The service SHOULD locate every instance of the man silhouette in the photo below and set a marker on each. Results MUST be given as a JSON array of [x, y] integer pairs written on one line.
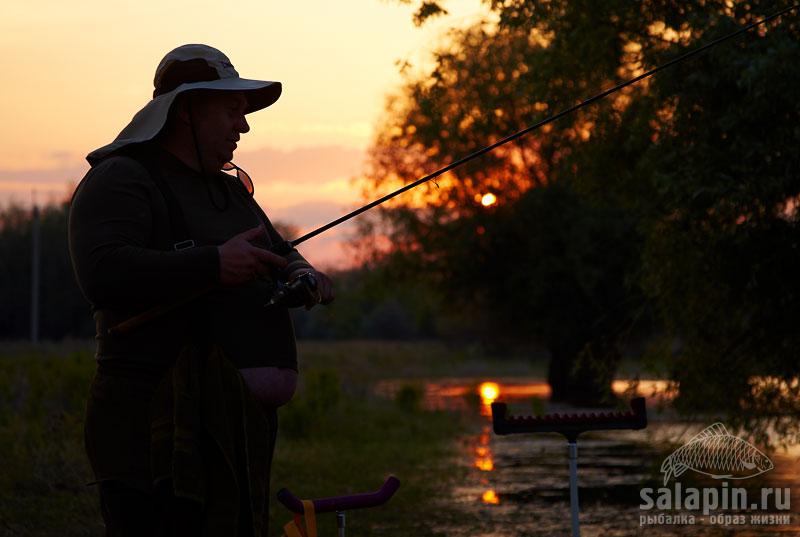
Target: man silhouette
[[153, 220]]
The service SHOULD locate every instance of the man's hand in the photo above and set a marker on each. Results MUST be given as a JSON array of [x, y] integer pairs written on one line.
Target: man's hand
[[241, 262], [324, 284]]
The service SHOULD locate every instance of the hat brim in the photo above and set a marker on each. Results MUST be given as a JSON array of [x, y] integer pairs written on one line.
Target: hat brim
[[149, 121]]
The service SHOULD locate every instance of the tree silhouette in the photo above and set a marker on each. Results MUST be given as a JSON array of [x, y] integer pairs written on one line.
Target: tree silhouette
[[692, 167]]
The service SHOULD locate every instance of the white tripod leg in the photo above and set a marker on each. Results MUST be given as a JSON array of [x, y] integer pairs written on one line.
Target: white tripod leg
[[340, 522], [573, 488]]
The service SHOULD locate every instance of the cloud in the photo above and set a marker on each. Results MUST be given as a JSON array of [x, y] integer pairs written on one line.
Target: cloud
[[327, 250], [314, 164], [43, 176], [354, 134], [309, 215], [295, 173], [306, 187], [53, 183]]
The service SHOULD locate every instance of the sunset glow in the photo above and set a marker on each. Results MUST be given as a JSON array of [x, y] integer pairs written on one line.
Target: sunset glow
[[488, 199], [337, 61]]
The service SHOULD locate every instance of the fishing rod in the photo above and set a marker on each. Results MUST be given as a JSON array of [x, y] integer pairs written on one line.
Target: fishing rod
[[305, 285], [538, 125]]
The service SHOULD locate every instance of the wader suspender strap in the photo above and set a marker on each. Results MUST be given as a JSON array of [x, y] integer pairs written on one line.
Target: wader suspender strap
[[283, 248], [177, 222]]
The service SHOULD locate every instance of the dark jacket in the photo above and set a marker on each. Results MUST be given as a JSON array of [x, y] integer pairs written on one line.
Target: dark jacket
[[121, 241]]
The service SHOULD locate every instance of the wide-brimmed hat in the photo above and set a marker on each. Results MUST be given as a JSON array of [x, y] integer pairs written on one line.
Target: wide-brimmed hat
[[188, 67]]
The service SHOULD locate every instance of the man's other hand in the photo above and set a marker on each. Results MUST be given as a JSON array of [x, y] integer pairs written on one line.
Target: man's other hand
[[241, 262]]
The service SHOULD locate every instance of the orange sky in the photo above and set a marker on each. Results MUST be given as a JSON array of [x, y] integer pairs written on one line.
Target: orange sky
[[76, 72]]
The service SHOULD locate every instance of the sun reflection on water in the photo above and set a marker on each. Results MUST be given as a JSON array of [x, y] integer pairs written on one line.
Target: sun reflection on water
[[486, 464], [483, 453], [490, 497], [493, 467], [484, 460]]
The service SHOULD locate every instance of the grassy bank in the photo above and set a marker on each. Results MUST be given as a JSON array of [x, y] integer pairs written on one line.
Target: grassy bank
[[42, 399], [333, 442], [335, 436]]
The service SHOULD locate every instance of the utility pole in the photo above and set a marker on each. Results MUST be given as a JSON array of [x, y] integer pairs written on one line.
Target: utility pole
[[35, 270]]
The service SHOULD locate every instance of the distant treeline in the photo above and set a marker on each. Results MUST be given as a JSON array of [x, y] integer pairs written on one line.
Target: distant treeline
[[63, 310], [365, 308]]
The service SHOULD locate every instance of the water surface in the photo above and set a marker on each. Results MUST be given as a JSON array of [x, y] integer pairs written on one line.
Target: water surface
[[518, 485]]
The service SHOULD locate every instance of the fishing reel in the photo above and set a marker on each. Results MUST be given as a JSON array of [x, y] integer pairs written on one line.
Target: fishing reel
[[301, 291]]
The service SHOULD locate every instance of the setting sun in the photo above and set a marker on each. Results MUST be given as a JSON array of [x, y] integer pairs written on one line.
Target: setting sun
[[488, 199], [489, 392]]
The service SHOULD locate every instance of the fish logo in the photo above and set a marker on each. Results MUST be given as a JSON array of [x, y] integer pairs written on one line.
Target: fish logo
[[716, 453]]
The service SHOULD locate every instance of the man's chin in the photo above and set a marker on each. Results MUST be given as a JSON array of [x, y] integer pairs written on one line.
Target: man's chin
[[221, 160]]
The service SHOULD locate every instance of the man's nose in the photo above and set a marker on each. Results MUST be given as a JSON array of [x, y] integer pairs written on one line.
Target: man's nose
[[242, 126]]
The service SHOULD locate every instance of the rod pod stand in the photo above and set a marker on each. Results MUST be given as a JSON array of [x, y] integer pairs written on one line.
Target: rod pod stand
[[570, 425], [340, 523], [340, 504]]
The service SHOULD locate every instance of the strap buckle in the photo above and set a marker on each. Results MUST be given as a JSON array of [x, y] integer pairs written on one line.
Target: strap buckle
[[183, 245]]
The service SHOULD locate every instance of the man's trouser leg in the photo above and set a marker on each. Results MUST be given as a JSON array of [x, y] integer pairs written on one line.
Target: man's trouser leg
[[128, 511]]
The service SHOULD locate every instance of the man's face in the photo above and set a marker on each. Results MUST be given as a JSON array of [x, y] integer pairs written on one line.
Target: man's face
[[219, 121]]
